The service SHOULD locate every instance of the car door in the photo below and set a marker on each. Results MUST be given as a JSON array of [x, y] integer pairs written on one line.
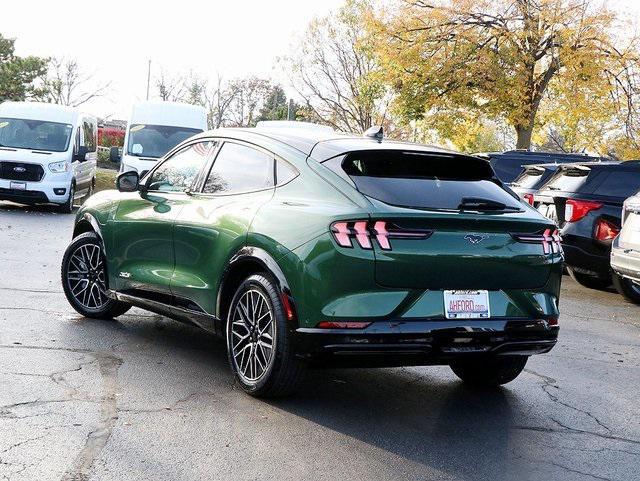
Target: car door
[[143, 251], [214, 225]]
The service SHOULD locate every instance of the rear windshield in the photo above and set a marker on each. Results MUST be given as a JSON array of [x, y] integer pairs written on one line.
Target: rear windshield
[[568, 180], [424, 180], [528, 179]]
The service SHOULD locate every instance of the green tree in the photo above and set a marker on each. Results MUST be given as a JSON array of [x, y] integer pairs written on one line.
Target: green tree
[[275, 106], [19, 75]]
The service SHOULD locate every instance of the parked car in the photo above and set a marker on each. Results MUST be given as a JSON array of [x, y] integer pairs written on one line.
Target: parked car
[[47, 154], [510, 164], [625, 252], [154, 128], [306, 248], [586, 201]]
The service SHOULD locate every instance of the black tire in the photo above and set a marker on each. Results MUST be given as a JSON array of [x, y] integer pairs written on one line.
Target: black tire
[[73, 277], [627, 288], [67, 207], [282, 371], [591, 282], [489, 372]]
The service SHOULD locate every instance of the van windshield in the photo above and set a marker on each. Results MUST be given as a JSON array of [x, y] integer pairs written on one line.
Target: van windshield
[[156, 140], [34, 134]]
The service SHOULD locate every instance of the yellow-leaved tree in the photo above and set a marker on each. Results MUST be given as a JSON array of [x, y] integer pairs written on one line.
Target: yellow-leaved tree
[[567, 63]]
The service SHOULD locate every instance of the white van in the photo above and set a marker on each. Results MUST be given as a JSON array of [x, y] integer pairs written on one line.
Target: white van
[[48, 153], [154, 129]]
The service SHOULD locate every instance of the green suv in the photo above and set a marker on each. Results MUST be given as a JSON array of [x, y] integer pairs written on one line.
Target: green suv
[[306, 248]]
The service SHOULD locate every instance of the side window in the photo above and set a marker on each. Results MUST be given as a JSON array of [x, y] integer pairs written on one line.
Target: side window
[[285, 172], [76, 141], [89, 131], [178, 172], [239, 168]]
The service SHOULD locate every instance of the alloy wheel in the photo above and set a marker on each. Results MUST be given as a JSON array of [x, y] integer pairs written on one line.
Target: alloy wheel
[[86, 277], [252, 335]]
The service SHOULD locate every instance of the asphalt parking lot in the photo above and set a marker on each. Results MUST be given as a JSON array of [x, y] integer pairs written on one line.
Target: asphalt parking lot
[[147, 398]]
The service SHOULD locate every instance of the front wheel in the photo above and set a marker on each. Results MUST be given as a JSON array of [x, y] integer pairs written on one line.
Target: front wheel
[[629, 289], [67, 207], [258, 340], [84, 279], [489, 372]]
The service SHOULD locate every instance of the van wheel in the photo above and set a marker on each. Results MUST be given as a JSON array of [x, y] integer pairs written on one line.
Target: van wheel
[[67, 207], [489, 372], [627, 288], [588, 281], [258, 341], [84, 279]]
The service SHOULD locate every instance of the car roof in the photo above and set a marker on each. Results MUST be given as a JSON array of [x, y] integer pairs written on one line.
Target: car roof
[[542, 154], [321, 144]]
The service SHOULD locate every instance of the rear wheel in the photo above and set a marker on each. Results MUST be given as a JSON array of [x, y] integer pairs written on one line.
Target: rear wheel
[[591, 282], [629, 289], [259, 342], [489, 372], [84, 279]]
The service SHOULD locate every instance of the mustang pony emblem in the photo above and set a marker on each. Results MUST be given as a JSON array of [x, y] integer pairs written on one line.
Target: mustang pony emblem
[[475, 238]]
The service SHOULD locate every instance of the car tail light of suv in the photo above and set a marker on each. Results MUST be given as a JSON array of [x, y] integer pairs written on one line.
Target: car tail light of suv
[[576, 209], [364, 232], [605, 230], [529, 198]]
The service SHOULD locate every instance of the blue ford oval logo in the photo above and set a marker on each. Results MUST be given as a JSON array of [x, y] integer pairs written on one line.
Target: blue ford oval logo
[[19, 169], [475, 238]]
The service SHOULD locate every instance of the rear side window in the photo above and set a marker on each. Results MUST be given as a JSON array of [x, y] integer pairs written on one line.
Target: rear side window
[[424, 180], [622, 183], [239, 168]]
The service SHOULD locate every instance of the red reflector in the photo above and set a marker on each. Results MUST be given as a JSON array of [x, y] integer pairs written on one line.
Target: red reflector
[[605, 230], [362, 235], [287, 304], [553, 321], [342, 325], [575, 210], [529, 198]]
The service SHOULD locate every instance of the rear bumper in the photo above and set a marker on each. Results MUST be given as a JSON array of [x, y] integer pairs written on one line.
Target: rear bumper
[[625, 262], [585, 262], [428, 342]]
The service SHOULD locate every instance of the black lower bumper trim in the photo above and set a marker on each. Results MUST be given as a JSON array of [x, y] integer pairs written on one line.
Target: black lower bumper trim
[[405, 343], [24, 196]]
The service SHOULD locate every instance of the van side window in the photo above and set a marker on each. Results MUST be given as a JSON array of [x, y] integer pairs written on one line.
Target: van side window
[[239, 168], [178, 172], [89, 131]]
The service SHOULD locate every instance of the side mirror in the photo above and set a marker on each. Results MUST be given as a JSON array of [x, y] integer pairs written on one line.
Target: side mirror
[[128, 181], [114, 154], [81, 154]]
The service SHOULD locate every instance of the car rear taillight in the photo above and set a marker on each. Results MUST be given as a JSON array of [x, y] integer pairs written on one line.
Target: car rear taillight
[[529, 198], [605, 230], [343, 325], [364, 231], [575, 210], [550, 240]]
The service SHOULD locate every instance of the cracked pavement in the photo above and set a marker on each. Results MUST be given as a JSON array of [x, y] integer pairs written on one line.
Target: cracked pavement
[[147, 398]]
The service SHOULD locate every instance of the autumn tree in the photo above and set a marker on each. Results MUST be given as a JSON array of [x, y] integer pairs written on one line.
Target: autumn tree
[[331, 69], [501, 60], [19, 75]]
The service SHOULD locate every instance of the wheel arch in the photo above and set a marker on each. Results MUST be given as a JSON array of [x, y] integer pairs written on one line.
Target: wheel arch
[[247, 261], [87, 223]]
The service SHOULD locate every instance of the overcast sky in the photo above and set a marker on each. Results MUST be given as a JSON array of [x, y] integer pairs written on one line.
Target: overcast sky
[[114, 39]]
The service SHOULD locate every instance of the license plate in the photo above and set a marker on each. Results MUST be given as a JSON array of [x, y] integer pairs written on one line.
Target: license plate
[[18, 185], [466, 304]]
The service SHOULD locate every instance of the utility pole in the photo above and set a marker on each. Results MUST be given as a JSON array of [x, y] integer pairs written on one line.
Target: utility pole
[[148, 78]]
